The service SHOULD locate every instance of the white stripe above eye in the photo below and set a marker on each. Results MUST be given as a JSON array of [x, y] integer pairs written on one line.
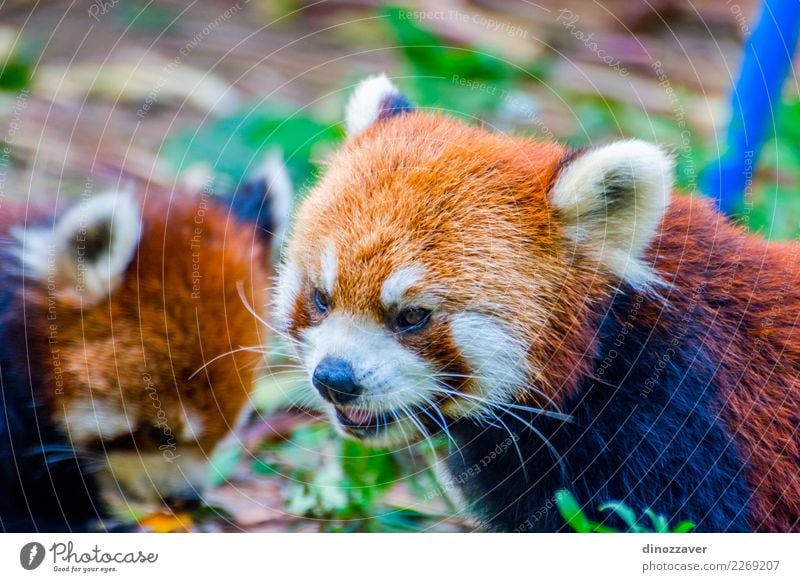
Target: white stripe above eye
[[398, 283], [329, 267]]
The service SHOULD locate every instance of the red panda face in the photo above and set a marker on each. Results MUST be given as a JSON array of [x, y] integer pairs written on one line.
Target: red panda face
[[406, 286], [145, 306], [436, 269]]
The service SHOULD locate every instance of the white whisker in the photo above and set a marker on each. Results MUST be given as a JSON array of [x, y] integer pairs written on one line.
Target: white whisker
[[549, 413], [264, 322], [253, 349]]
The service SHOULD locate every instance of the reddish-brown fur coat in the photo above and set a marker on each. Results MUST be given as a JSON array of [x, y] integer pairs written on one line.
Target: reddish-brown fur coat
[[162, 351], [473, 208]]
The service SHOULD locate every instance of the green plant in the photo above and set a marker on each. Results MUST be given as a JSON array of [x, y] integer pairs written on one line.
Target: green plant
[[16, 61], [574, 516], [235, 144], [341, 482], [436, 69]]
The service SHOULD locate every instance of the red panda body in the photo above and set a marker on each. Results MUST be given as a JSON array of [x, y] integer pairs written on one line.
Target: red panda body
[[743, 293], [553, 312], [121, 323]]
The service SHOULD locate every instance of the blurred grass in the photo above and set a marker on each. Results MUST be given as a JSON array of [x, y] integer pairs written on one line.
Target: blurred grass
[[429, 66]]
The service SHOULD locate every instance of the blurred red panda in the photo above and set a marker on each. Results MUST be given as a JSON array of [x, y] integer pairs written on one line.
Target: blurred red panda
[[121, 322], [559, 315]]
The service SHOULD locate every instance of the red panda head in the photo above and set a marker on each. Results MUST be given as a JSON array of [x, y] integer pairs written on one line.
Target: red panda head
[[144, 305], [439, 269]]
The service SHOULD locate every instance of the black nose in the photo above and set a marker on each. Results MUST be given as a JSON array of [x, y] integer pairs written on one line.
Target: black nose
[[335, 381]]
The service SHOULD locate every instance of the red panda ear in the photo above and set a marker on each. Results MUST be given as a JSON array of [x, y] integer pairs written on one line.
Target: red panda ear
[[612, 200], [374, 99], [266, 199], [88, 248]]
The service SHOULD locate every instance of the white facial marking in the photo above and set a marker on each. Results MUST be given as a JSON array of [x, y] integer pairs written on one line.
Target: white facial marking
[[87, 421], [398, 283], [495, 357], [154, 476], [390, 374], [364, 106], [329, 267]]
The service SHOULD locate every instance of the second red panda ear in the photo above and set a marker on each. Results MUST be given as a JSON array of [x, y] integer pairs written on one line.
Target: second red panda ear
[[88, 248], [265, 199], [374, 99]]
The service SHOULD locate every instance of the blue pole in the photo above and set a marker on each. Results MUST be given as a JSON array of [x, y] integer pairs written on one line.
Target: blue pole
[[755, 99]]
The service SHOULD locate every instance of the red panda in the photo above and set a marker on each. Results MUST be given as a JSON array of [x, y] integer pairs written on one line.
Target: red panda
[[127, 336], [560, 316]]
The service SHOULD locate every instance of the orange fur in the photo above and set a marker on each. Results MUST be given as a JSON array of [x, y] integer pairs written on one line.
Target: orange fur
[[498, 227], [473, 209], [154, 334]]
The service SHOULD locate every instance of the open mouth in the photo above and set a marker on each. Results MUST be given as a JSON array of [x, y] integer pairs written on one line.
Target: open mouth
[[363, 422]]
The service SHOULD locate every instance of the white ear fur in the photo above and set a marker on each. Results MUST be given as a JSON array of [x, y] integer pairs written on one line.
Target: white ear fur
[[612, 200], [366, 103], [88, 248], [279, 187]]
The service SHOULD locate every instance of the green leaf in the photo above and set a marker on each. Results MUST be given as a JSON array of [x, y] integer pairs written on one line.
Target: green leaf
[[299, 499], [465, 81], [370, 472], [775, 213], [235, 145], [660, 523], [264, 467], [571, 512], [312, 435], [625, 513], [224, 462], [401, 520], [684, 527], [428, 55], [15, 75], [600, 528], [367, 466]]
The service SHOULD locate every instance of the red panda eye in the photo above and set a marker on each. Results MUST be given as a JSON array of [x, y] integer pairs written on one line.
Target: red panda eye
[[412, 319], [321, 301]]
